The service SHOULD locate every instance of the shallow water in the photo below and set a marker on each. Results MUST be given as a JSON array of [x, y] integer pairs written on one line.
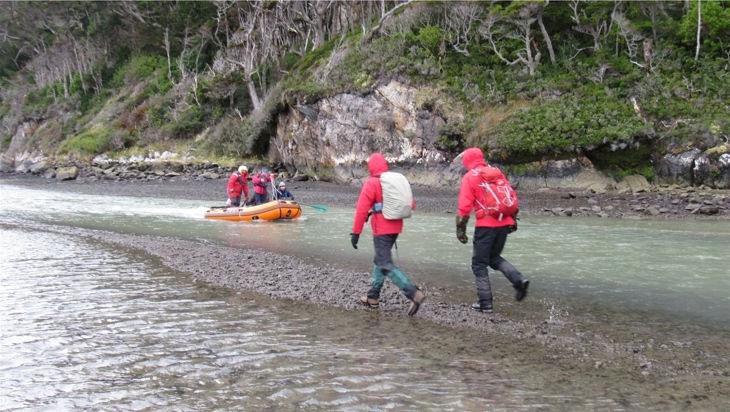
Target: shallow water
[[84, 326], [673, 270]]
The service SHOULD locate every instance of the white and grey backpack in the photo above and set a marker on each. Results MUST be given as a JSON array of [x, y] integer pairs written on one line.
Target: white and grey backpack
[[397, 196]]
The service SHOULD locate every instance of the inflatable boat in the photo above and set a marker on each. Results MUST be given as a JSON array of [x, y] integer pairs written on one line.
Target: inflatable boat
[[274, 210]]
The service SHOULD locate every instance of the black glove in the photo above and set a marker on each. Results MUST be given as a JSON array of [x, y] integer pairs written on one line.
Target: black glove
[[461, 228], [513, 228], [354, 237]]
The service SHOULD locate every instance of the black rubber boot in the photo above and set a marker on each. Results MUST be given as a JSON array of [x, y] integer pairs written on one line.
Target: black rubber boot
[[521, 289]]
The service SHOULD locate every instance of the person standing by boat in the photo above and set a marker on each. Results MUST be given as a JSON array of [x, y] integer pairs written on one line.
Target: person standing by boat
[[261, 182], [385, 233], [491, 228], [238, 184], [283, 194]]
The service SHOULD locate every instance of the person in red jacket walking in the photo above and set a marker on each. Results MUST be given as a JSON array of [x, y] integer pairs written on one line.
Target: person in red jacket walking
[[490, 235], [385, 233], [237, 184]]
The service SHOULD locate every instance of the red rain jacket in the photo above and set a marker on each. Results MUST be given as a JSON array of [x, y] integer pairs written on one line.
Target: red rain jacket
[[474, 158], [261, 182], [371, 194], [237, 183]]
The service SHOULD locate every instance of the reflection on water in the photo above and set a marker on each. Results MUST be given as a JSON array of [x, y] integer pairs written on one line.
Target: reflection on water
[[673, 269], [82, 327]]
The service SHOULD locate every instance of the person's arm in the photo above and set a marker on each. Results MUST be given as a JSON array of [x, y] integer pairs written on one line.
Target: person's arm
[[231, 187], [464, 207], [364, 203], [466, 199]]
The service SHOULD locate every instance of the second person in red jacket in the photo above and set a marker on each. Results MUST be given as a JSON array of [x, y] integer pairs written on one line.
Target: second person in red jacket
[[385, 233], [490, 235]]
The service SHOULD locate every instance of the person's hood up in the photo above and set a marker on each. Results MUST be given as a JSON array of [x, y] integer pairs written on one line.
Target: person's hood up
[[377, 165], [473, 157]]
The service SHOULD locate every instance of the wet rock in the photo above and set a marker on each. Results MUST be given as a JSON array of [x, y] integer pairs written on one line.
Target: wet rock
[[210, 175], [67, 173], [653, 211], [708, 210], [633, 184], [49, 174], [38, 167], [678, 168]]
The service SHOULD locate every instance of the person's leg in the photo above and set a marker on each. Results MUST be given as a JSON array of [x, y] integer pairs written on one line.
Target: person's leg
[[384, 260], [497, 262], [483, 239], [376, 284], [236, 201]]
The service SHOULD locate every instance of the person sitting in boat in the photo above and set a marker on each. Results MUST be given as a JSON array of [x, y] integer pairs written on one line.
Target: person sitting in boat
[[282, 193], [237, 184], [261, 182]]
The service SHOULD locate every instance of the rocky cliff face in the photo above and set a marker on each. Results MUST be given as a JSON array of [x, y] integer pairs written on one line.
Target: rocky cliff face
[[333, 137]]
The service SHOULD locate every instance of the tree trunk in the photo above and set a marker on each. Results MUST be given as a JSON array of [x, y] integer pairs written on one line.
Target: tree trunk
[[167, 50], [546, 36], [699, 28], [253, 94]]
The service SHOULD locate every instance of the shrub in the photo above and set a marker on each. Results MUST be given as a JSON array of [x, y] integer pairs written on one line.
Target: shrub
[[92, 141], [570, 124], [189, 123], [430, 37]]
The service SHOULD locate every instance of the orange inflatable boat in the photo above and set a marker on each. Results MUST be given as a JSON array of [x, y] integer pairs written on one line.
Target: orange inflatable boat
[[274, 210]]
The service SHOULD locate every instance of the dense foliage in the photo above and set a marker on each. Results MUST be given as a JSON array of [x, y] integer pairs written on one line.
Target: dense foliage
[[525, 80]]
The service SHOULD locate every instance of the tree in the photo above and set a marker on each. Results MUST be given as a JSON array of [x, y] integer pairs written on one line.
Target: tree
[[592, 18], [513, 27]]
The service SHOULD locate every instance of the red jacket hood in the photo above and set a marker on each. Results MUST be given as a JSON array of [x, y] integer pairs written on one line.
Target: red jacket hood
[[377, 165], [473, 157]]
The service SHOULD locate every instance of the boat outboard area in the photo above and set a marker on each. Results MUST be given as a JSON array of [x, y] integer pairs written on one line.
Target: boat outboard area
[[269, 211]]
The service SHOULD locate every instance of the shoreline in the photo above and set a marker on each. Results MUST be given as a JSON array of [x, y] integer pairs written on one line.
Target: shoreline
[[643, 355], [655, 363], [660, 202]]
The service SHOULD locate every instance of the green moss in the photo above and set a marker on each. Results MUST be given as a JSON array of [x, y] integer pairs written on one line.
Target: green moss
[[95, 140]]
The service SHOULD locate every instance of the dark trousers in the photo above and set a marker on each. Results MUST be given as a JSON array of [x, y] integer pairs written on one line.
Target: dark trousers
[[383, 266], [488, 245], [259, 198], [235, 201]]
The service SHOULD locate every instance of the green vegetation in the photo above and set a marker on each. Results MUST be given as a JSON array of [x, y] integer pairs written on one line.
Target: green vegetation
[[184, 70], [96, 140]]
